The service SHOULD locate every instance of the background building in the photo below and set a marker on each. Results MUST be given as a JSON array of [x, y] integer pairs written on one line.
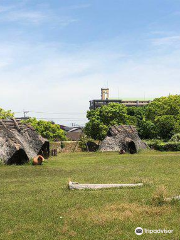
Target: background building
[[105, 100]]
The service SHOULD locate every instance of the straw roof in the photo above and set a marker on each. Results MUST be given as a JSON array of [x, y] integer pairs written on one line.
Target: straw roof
[[19, 142], [123, 137]]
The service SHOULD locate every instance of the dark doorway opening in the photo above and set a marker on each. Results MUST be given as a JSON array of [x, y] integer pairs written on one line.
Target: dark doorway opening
[[92, 146], [18, 158], [44, 150], [109, 134], [132, 147]]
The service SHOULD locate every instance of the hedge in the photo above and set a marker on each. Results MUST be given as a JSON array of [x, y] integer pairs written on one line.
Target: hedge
[[163, 146]]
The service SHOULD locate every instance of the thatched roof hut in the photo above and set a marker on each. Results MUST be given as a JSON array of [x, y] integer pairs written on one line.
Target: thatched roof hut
[[19, 142], [124, 137]]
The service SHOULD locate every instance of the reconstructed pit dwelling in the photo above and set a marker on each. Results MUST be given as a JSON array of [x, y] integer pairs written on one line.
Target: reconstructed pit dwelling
[[123, 137], [19, 142]]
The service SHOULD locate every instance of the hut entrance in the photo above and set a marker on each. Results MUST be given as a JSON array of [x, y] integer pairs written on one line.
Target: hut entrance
[[18, 158], [44, 150], [132, 147]]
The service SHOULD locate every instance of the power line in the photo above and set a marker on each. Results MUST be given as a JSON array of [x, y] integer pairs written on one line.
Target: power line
[[70, 113], [65, 118], [68, 118], [58, 113]]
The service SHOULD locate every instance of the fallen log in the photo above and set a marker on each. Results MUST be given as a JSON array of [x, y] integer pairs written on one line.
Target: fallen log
[[76, 185], [172, 198]]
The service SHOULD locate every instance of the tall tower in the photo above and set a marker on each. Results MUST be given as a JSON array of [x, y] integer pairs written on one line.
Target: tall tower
[[104, 93]]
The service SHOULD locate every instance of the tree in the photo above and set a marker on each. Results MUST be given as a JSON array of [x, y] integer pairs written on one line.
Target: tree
[[96, 129], [165, 126], [47, 130], [6, 114], [163, 106], [159, 119], [164, 112], [102, 118], [147, 129], [137, 112]]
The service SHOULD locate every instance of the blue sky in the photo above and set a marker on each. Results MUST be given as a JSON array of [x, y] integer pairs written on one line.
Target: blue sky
[[56, 55]]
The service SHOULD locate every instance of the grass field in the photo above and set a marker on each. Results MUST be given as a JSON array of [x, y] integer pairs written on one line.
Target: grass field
[[36, 203]]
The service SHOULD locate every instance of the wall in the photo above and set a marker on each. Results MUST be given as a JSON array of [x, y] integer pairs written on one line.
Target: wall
[[65, 146]]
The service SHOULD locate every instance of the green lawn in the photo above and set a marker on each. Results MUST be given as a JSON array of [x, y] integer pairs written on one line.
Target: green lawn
[[36, 203]]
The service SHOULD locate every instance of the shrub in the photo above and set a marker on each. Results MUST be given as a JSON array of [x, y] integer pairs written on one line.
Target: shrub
[[47, 130], [163, 146], [62, 145], [175, 137], [6, 114], [88, 144]]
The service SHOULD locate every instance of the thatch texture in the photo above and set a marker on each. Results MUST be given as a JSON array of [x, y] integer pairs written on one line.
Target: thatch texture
[[124, 137], [19, 142]]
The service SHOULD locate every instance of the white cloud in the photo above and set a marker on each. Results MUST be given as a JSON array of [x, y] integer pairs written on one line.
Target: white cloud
[[166, 40], [21, 14], [44, 78], [28, 16], [36, 17]]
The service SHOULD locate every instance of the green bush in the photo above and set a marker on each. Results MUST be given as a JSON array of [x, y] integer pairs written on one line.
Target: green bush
[[62, 145], [175, 138], [88, 144], [163, 146], [48, 130], [6, 114]]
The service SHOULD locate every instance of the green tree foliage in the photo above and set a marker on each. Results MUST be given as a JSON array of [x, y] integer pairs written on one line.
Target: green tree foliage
[[5, 114], [164, 113], [147, 129], [102, 118], [163, 106], [165, 126], [175, 138], [159, 119], [47, 130]]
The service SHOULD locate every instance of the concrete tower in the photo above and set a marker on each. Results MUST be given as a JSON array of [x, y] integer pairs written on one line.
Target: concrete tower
[[104, 93]]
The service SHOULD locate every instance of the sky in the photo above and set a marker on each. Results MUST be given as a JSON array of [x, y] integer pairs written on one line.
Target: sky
[[55, 55]]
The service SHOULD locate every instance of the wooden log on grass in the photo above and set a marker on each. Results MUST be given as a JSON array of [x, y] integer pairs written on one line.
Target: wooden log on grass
[[172, 198], [75, 185]]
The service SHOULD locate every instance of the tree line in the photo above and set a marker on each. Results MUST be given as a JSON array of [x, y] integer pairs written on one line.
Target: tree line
[[158, 120]]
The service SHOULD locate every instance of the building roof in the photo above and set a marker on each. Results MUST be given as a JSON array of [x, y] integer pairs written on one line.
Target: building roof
[[74, 136], [76, 129]]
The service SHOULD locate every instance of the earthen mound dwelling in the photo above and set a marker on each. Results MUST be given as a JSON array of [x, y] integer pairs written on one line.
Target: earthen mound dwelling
[[19, 142], [123, 137]]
